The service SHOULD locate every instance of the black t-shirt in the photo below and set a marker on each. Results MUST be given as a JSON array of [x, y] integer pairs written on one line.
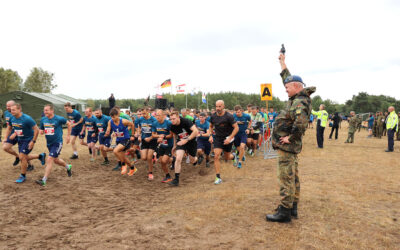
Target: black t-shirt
[[223, 124], [182, 130]]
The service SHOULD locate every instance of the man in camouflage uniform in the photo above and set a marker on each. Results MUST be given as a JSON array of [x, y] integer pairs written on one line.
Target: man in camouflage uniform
[[375, 125], [1, 123], [353, 123], [289, 128], [380, 124]]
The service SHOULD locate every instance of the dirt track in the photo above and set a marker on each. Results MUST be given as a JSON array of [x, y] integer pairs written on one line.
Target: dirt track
[[350, 199]]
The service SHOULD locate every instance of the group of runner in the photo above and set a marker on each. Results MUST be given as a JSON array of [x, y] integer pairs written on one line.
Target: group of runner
[[154, 136]]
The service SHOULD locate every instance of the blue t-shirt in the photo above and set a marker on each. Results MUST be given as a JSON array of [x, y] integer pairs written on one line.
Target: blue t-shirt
[[243, 122], [146, 126], [272, 116], [75, 117], [102, 124], [203, 128], [163, 129], [8, 116], [23, 127], [90, 124], [53, 128], [371, 122], [311, 118]]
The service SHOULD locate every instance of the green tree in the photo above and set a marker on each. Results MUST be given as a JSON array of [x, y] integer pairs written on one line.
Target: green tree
[[9, 81], [40, 81]]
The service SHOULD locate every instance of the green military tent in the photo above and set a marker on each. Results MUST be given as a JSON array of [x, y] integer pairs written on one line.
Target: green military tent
[[33, 103]]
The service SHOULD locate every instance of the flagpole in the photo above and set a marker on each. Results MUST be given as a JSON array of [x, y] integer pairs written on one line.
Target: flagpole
[[186, 100]]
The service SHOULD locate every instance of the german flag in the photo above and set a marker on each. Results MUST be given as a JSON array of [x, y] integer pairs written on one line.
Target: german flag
[[166, 84]]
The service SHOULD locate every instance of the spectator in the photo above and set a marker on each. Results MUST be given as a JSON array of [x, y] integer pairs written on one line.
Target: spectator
[[111, 101]]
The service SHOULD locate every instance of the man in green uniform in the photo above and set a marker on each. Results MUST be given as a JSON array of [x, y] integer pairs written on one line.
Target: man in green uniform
[[353, 122], [375, 125], [289, 128], [1, 122], [380, 122]]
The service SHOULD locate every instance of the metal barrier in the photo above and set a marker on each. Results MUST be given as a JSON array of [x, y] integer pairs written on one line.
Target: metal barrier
[[268, 150]]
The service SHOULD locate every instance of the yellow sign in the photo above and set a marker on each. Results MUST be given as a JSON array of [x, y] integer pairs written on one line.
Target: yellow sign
[[266, 92]]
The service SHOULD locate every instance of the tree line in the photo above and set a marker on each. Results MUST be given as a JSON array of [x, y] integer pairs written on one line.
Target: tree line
[[38, 80]]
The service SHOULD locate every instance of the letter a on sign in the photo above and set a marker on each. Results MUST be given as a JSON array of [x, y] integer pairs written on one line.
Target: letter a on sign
[[266, 92]]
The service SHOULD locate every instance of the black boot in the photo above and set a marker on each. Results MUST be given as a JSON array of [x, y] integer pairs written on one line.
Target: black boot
[[293, 211], [282, 215]]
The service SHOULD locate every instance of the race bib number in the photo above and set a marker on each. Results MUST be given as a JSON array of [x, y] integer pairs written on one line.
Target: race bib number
[[183, 135], [72, 121], [49, 131], [90, 129], [164, 143], [101, 130], [119, 134], [146, 130], [19, 132]]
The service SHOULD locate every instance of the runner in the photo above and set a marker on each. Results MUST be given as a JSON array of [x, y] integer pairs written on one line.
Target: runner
[[105, 142], [126, 117], [93, 133], [148, 144], [203, 145], [256, 124], [121, 128], [183, 142], [76, 121], [244, 122], [225, 130], [9, 143], [51, 127], [26, 130], [161, 130]]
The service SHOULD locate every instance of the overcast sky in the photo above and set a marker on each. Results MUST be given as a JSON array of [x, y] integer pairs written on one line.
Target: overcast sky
[[95, 48]]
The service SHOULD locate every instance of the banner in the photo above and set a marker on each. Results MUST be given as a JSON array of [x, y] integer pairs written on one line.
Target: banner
[[166, 84], [203, 98]]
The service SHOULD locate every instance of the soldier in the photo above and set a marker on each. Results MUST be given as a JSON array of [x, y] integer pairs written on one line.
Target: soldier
[[375, 125], [353, 123], [380, 122], [359, 122], [1, 122], [289, 127], [384, 124]]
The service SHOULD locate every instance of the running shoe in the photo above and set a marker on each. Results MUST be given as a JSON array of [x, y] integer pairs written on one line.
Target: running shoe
[[42, 158], [41, 182], [196, 162], [105, 163], [244, 158], [69, 170], [124, 169], [174, 183], [166, 180], [30, 167], [239, 165], [16, 161], [20, 179], [91, 159], [235, 160], [200, 159], [187, 160], [250, 151], [132, 171], [150, 177], [73, 157], [217, 181], [117, 167], [207, 164]]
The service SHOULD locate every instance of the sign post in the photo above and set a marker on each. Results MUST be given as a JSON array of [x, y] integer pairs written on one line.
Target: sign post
[[266, 93]]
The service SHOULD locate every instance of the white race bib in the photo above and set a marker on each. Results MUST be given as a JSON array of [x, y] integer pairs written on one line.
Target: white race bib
[[49, 131]]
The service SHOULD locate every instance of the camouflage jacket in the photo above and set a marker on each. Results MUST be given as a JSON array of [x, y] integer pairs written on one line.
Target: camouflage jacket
[[353, 123], [293, 120]]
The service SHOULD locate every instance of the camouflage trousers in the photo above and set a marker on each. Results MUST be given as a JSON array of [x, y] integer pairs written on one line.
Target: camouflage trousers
[[380, 131], [288, 178], [350, 136]]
